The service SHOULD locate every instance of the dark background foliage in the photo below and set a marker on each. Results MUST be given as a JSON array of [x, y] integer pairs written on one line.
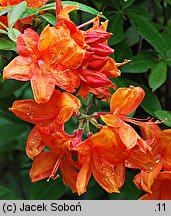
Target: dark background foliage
[[142, 33]]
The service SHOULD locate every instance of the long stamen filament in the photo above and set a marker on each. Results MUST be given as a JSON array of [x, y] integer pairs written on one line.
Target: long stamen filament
[[90, 21], [55, 168]]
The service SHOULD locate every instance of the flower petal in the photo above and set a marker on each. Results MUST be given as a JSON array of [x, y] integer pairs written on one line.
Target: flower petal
[[163, 142], [112, 120], [68, 103], [43, 165], [94, 79], [126, 100], [42, 85], [30, 111], [69, 174], [128, 135], [84, 174], [104, 173], [20, 68], [34, 143], [161, 188], [147, 177], [27, 43]]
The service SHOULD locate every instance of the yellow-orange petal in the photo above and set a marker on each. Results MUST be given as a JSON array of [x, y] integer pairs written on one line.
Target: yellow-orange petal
[[161, 188], [147, 177], [66, 10], [34, 143], [103, 172], [128, 135], [68, 103], [112, 120], [42, 85], [20, 68], [110, 69], [126, 100], [163, 143]]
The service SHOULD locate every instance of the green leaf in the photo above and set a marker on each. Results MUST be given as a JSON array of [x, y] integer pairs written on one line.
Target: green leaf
[[139, 63], [13, 34], [49, 18], [127, 3], [123, 51], [116, 27], [10, 132], [15, 14], [137, 11], [167, 36], [131, 36], [163, 115], [29, 12], [7, 44], [43, 190], [4, 190], [6, 10], [149, 32], [158, 75], [7, 87], [5, 57], [168, 58], [150, 103], [82, 7], [168, 1]]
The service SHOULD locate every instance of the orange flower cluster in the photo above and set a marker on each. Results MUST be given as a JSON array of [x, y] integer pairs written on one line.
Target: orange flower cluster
[[70, 58]]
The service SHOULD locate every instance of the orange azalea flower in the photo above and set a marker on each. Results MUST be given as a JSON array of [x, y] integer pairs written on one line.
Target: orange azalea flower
[[159, 158], [55, 112], [90, 78], [97, 65], [102, 155], [146, 160], [123, 102], [163, 144], [45, 60], [161, 188], [46, 164]]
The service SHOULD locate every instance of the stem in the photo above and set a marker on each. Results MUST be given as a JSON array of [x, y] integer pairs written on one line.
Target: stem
[[97, 126]]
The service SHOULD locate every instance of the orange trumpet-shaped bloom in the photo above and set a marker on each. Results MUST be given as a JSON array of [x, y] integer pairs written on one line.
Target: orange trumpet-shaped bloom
[[97, 64], [46, 164], [146, 160], [55, 112], [102, 155], [163, 144], [161, 188], [151, 164], [123, 102], [45, 60]]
